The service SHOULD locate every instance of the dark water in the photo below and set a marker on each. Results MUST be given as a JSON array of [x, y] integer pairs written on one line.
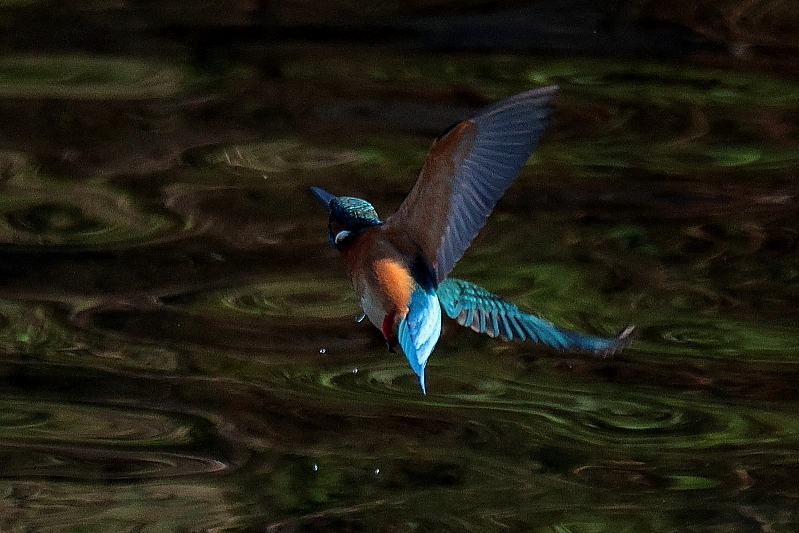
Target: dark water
[[177, 339]]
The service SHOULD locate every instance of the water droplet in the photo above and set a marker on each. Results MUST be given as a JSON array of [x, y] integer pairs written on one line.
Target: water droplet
[[377, 471], [322, 350], [315, 467], [354, 370]]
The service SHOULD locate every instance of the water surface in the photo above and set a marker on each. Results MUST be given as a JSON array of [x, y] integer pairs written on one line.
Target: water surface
[[179, 349]]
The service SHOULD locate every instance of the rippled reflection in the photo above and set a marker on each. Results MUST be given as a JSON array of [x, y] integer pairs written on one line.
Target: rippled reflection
[[42, 211], [318, 298], [283, 156], [94, 464], [718, 338], [88, 424], [83, 76], [62, 506]]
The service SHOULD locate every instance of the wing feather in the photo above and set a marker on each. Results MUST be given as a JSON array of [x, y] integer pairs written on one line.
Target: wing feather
[[474, 307], [466, 172]]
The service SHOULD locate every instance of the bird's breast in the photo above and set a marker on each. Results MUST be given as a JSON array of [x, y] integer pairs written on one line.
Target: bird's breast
[[381, 277]]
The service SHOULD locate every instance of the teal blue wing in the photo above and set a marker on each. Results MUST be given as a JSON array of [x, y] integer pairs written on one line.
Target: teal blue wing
[[476, 308], [467, 171], [419, 330]]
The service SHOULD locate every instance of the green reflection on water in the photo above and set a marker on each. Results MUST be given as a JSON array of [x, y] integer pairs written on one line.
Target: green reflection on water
[[41, 210], [87, 77], [297, 483], [642, 81], [22, 421], [286, 297], [69, 507], [655, 117], [660, 83], [724, 338], [33, 332], [283, 156], [692, 483]]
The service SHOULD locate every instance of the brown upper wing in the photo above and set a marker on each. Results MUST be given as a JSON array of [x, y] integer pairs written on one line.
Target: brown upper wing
[[466, 172]]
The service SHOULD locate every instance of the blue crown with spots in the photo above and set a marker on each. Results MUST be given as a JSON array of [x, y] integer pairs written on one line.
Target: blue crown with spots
[[354, 211]]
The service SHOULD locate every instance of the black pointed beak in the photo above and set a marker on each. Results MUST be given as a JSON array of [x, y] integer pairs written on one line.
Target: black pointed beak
[[323, 197]]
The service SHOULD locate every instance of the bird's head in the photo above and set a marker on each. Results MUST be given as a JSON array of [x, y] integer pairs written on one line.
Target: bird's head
[[348, 216]]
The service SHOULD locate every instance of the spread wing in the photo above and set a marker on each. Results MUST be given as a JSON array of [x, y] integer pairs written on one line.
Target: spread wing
[[419, 330], [467, 171], [476, 308]]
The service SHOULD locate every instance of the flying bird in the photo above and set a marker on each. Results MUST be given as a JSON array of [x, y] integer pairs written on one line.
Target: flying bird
[[398, 267]]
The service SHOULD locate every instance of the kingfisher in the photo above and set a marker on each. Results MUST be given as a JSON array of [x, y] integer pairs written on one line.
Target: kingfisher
[[398, 268]]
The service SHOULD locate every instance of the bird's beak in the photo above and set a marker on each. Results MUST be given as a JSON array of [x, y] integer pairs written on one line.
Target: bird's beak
[[323, 197]]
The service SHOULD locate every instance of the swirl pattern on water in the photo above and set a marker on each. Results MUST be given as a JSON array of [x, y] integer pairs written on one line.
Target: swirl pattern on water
[[245, 217], [60, 506], [98, 442], [295, 296], [28, 330], [100, 464], [40, 212], [308, 298], [720, 338], [48, 422], [640, 421]]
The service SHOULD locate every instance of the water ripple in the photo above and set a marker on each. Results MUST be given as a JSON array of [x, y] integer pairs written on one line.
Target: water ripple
[[61, 506], [39, 212], [721, 338], [661, 83], [86, 77], [245, 217], [41, 438], [95, 463], [293, 296], [28, 330], [47, 422], [638, 420], [282, 156]]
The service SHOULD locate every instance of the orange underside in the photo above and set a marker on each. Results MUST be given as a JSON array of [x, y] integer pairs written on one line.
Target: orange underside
[[396, 285]]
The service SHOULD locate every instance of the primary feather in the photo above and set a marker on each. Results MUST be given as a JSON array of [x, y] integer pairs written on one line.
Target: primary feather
[[476, 308]]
